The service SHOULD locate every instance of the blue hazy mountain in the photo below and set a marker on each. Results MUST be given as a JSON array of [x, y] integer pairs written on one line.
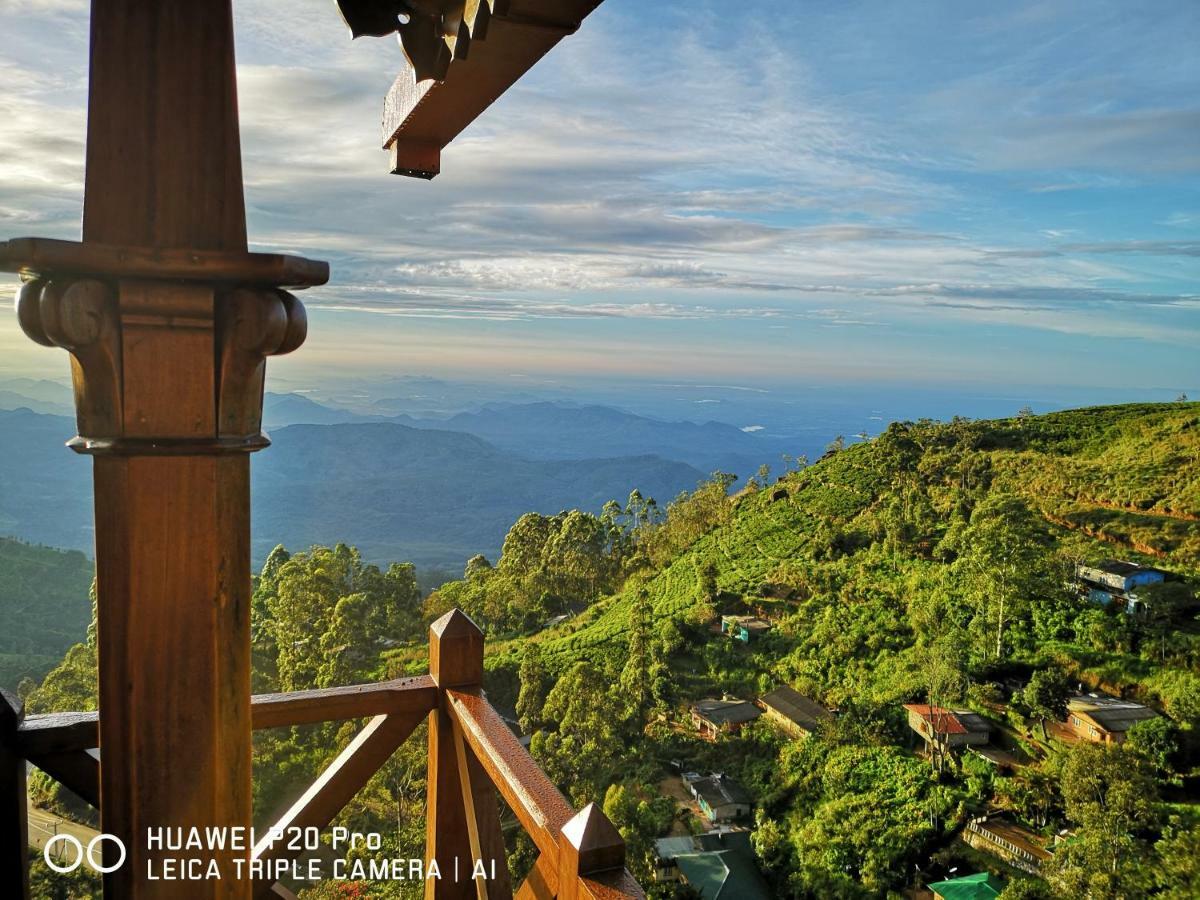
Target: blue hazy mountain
[[37, 394], [549, 430], [433, 496]]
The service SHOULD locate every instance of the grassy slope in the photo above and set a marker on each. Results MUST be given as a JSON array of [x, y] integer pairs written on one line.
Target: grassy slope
[[1130, 475]]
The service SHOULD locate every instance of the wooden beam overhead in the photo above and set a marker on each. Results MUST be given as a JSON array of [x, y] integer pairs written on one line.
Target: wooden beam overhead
[[421, 115]]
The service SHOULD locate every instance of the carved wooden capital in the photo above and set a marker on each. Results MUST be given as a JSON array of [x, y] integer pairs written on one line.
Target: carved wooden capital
[[168, 347], [251, 325], [94, 320], [80, 315]]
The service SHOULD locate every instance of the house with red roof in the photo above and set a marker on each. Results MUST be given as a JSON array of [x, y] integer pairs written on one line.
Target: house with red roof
[[947, 728]]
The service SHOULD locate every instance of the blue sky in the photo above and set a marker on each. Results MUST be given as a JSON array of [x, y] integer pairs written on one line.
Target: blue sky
[[1001, 194]]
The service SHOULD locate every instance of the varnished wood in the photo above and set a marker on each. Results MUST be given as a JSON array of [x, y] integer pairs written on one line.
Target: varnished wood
[[455, 651], [251, 325], [163, 170], [163, 162], [467, 792], [618, 884], [456, 658], [340, 781], [174, 669], [78, 770], [539, 806], [589, 844], [423, 116], [541, 882], [44, 257], [406, 695], [14, 835], [58, 733], [52, 733]]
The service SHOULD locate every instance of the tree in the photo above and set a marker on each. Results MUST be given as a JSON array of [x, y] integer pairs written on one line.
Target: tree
[[639, 819], [635, 677], [1002, 561], [582, 744], [1178, 867], [1111, 797], [635, 508], [477, 565], [331, 615], [574, 556], [535, 682], [707, 587], [1046, 695], [945, 682], [837, 445], [1033, 791], [1156, 741], [1020, 888], [762, 477], [799, 461], [1163, 606]]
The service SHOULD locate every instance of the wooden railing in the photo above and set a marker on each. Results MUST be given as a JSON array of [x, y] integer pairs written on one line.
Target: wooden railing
[[472, 755]]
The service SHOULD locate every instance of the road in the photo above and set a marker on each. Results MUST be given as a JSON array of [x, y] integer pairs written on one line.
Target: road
[[43, 825]]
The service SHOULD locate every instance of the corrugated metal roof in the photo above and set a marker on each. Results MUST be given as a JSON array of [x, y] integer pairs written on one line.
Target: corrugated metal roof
[[726, 712], [793, 705]]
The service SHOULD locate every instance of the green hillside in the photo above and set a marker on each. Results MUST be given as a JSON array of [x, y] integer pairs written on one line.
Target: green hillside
[[45, 607], [1110, 481]]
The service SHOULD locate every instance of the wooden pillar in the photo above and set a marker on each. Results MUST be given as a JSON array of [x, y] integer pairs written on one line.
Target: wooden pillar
[[168, 321], [14, 823], [172, 531], [462, 820]]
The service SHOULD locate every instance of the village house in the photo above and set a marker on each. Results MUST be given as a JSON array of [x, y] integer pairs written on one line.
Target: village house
[[947, 728], [1115, 581], [997, 834], [720, 865], [720, 798], [793, 712], [744, 628], [1104, 719], [980, 886], [726, 716]]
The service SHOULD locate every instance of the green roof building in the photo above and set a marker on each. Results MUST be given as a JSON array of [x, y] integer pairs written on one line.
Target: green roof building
[[719, 865], [981, 886]]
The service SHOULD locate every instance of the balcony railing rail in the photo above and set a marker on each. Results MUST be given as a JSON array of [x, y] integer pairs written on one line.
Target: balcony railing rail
[[472, 755]]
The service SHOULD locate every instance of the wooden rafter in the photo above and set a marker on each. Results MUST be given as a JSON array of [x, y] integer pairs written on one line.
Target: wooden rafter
[[421, 115]]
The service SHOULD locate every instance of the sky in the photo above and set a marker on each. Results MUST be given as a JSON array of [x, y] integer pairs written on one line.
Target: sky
[[763, 192]]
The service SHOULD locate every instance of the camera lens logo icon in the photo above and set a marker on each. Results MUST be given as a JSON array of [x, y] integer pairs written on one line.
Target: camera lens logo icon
[[92, 853]]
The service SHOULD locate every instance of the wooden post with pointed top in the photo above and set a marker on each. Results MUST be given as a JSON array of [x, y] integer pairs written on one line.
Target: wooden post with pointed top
[[462, 810], [590, 844]]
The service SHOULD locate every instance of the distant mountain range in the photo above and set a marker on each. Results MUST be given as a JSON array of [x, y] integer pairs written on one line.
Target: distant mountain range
[[436, 497], [434, 490], [398, 492], [562, 431], [535, 430]]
